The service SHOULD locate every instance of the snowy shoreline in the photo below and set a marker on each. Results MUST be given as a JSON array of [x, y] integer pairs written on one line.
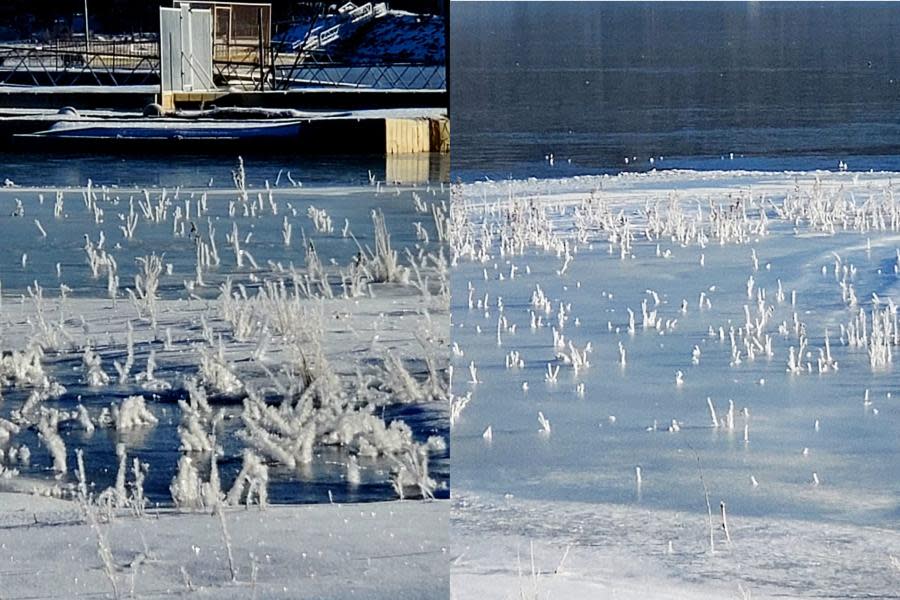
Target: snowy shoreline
[[603, 550], [374, 550]]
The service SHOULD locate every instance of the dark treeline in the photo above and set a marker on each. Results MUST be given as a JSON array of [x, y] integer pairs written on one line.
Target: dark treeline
[[47, 19]]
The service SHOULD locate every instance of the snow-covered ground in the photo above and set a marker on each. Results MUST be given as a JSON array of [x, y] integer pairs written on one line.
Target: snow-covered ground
[[587, 550], [404, 38], [641, 358], [396, 37], [376, 550]]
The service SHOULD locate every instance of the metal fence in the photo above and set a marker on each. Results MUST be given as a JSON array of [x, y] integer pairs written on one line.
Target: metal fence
[[249, 66], [73, 63], [405, 76], [246, 65], [236, 22]]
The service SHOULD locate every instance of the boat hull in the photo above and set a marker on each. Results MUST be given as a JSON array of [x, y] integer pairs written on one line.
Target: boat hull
[[171, 130]]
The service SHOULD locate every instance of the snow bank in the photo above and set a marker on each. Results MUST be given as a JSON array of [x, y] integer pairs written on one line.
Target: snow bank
[[583, 550], [390, 550]]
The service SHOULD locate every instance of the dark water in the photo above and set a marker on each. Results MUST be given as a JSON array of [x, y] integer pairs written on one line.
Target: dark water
[[780, 85], [159, 170]]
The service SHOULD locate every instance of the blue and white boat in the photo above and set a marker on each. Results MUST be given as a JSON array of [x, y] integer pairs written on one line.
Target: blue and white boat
[[171, 129]]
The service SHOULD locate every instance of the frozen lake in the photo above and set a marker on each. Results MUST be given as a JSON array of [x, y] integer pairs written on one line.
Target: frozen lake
[[815, 443], [357, 333]]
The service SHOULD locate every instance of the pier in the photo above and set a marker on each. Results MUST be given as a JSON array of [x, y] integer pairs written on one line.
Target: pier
[[377, 131], [199, 89]]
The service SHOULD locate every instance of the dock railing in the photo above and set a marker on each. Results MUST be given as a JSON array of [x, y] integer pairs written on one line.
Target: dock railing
[[116, 62]]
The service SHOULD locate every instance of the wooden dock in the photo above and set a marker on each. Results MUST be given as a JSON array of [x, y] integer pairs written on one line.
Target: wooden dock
[[333, 121]]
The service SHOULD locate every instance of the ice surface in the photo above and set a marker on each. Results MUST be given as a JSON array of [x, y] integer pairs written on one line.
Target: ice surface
[[821, 457], [385, 322]]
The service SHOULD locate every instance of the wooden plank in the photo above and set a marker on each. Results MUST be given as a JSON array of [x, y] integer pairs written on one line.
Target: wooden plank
[[407, 136], [167, 101]]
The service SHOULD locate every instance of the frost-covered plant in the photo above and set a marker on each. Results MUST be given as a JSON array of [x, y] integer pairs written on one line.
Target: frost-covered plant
[[211, 491], [544, 423], [117, 496], [320, 219], [411, 471], [273, 446], [84, 419], [355, 279], [146, 284], [402, 386], [251, 483], [191, 431], [226, 538], [82, 479], [384, 263], [239, 176], [112, 279], [58, 205], [138, 501], [147, 379], [131, 221], [24, 369], [286, 230], [316, 276], [7, 430], [878, 334], [237, 311], [216, 374], [457, 406], [23, 454], [353, 472], [49, 435], [369, 436], [189, 491], [235, 241], [420, 205], [97, 256], [49, 335], [123, 370], [156, 212], [437, 288], [103, 549], [186, 485], [95, 376], [133, 413], [197, 397]]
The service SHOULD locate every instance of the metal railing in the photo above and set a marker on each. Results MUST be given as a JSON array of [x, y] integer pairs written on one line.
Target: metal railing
[[406, 76], [72, 63], [348, 20], [261, 68], [249, 65]]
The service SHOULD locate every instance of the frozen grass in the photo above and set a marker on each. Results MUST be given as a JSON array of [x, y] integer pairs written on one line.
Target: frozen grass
[[292, 363], [281, 321]]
